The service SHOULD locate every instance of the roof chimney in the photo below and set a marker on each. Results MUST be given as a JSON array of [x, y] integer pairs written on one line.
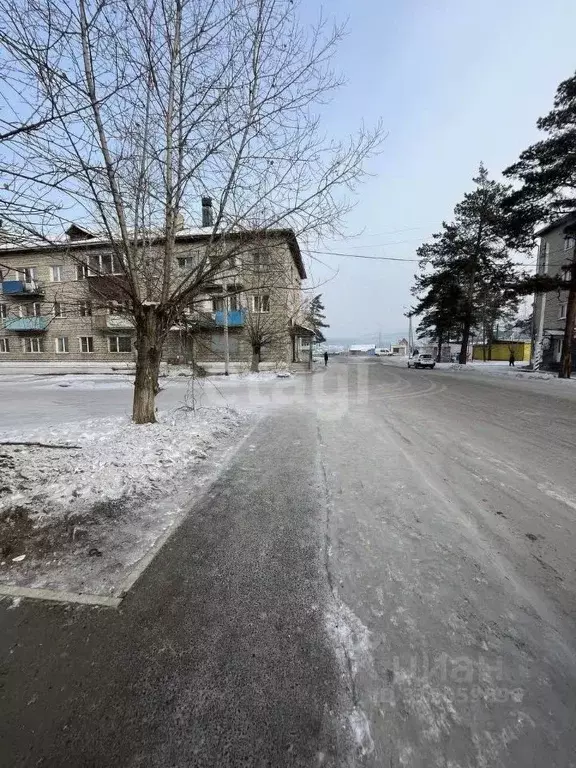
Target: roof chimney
[[207, 213]]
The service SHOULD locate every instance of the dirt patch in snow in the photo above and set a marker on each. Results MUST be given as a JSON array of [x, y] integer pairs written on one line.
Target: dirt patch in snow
[[79, 519]]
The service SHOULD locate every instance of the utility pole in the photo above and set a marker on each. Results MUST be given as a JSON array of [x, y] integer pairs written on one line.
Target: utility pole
[[226, 344], [410, 340]]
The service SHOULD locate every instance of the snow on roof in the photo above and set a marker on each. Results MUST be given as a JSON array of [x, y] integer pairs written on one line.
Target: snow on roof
[[362, 347], [190, 233]]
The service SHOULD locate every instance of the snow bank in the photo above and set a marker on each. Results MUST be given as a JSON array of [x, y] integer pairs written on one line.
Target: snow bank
[[493, 368], [112, 458], [85, 504]]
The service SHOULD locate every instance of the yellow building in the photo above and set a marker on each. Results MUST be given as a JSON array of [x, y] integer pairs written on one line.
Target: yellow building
[[501, 351]]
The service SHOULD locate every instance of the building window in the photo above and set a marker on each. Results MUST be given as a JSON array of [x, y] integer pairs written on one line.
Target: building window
[[543, 256], [233, 300], [81, 271], [33, 344], [59, 309], [30, 310], [86, 344], [261, 258], [120, 343], [186, 262], [26, 274], [85, 308], [61, 344], [562, 312], [3, 311], [566, 274], [4, 346], [56, 273], [568, 243], [261, 303], [217, 304], [104, 264]]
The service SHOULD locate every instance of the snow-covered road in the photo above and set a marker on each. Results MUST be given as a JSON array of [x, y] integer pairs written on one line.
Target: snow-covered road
[[383, 576]]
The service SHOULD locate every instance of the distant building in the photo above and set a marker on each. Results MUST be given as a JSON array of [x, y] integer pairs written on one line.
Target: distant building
[[362, 349], [501, 350], [555, 255], [400, 348], [65, 300]]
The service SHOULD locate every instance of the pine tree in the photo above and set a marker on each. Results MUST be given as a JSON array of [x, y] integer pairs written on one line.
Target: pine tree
[[547, 171], [316, 317], [469, 261]]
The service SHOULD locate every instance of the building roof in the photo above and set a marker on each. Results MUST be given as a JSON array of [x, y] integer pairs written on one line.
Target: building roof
[[361, 347], [569, 218], [192, 235]]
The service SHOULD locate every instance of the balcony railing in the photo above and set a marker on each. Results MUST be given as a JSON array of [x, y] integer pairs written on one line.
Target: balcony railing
[[20, 288], [198, 319], [114, 322], [27, 323]]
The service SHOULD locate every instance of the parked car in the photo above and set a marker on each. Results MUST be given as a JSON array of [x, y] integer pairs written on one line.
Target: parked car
[[421, 361]]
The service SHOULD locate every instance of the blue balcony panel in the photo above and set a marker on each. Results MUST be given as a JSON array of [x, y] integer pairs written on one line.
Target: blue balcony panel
[[235, 318], [27, 323]]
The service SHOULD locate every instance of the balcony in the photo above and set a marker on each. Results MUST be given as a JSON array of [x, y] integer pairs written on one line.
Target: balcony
[[27, 323], [236, 318], [20, 288], [194, 320], [114, 322]]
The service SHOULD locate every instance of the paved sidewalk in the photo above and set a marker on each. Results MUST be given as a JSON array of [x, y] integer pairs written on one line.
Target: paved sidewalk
[[218, 657]]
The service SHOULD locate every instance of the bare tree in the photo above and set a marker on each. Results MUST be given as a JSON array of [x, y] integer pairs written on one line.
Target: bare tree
[[153, 105]]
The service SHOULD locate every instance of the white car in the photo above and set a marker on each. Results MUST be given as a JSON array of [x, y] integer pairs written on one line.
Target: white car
[[421, 361]]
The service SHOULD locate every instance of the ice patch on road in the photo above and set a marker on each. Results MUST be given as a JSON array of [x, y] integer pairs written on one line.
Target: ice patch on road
[[351, 642], [562, 496], [350, 636], [360, 728]]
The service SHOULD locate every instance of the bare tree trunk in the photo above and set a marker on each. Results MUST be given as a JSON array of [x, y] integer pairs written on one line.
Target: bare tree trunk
[[149, 338], [465, 340], [439, 353], [255, 365], [565, 371]]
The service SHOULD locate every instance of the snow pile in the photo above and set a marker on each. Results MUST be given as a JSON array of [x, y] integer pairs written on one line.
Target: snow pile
[[493, 368], [112, 459], [86, 382]]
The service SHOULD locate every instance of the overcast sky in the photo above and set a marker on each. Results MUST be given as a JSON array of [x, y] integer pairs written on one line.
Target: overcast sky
[[456, 82]]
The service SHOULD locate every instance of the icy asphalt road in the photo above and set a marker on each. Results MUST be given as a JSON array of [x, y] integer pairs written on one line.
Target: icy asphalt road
[[383, 577]]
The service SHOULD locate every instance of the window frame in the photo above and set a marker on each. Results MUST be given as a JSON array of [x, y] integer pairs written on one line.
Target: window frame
[[119, 351], [260, 309], [91, 344], [38, 340], [85, 308], [82, 271], [66, 344], [22, 276], [62, 310], [3, 310], [60, 268], [98, 271], [4, 345], [562, 310]]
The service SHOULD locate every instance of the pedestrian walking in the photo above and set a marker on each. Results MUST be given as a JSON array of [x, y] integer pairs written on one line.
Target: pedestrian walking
[[511, 360], [325, 359]]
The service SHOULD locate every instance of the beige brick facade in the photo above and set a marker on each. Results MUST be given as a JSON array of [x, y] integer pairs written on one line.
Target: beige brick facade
[[60, 294]]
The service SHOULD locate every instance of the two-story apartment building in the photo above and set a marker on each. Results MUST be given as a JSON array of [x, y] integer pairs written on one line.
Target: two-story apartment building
[[555, 254], [58, 301]]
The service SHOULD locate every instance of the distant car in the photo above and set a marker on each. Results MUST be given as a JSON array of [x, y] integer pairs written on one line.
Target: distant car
[[383, 352], [421, 361]]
